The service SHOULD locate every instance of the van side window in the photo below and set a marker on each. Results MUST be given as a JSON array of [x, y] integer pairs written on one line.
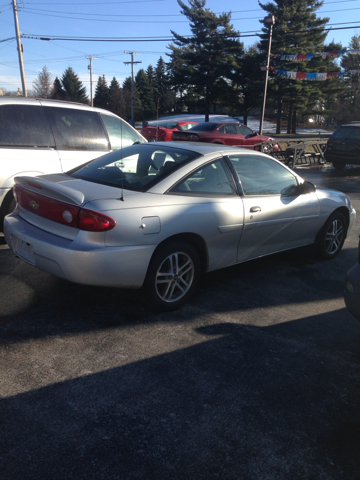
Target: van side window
[[24, 126], [77, 129], [121, 135]]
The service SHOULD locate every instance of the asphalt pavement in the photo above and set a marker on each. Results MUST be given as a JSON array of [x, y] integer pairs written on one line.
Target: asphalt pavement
[[257, 378]]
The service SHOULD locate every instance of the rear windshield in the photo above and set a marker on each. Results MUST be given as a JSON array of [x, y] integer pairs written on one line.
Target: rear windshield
[[347, 132], [204, 127], [138, 167]]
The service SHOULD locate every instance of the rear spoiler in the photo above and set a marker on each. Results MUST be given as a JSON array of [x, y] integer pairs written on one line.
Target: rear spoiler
[[51, 189]]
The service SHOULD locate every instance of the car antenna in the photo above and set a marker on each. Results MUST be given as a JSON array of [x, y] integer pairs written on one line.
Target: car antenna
[[122, 166]]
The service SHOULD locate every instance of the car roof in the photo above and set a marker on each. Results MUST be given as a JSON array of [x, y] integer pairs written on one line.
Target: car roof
[[51, 103], [202, 148]]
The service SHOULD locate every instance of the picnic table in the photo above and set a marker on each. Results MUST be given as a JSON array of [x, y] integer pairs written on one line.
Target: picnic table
[[296, 152]]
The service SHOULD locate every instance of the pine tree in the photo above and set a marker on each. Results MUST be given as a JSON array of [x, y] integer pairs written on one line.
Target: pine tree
[[350, 97], [206, 59], [116, 98], [102, 96], [165, 98], [57, 93], [73, 87], [127, 99], [297, 30], [42, 85], [248, 83], [146, 94]]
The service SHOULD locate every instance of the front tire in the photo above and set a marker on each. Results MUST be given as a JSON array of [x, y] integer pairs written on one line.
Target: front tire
[[173, 275], [332, 236]]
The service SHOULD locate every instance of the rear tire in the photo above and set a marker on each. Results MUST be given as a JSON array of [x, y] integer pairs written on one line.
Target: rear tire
[[338, 164], [172, 276], [332, 236], [8, 207]]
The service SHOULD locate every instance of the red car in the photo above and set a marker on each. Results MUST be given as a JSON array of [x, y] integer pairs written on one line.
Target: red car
[[162, 131], [227, 133]]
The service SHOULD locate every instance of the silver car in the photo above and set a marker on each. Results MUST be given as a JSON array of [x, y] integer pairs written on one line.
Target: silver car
[[157, 215]]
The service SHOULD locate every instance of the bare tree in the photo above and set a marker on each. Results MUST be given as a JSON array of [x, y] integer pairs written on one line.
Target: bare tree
[[43, 84]]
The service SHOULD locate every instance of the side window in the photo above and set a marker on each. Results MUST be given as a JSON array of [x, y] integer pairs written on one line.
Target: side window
[[120, 133], [261, 175], [77, 129], [212, 179], [187, 126], [24, 126], [244, 130], [222, 129], [231, 129]]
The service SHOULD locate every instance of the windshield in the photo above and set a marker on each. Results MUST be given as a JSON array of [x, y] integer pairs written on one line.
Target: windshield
[[347, 132], [137, 167], [204, 127]]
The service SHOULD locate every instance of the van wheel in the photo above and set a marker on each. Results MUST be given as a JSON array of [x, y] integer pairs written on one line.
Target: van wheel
[[333, 236], [173, 275], [338, 164]]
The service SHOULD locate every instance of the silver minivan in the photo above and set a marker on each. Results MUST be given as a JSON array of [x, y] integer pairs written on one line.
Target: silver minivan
[[39, 136]]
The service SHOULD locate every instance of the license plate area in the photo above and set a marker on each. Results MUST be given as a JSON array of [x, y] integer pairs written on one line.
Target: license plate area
[[23, 249]]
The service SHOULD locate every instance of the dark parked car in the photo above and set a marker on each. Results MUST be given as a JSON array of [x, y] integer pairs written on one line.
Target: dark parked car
[[226, 133], [352, 288], [343, 146]]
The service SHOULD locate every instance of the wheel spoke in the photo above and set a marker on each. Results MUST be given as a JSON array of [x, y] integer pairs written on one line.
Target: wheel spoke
[[334, 236], [174, 276]]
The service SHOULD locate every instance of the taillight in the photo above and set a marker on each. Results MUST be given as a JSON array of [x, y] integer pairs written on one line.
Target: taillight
[[94, 221], [63, 212]]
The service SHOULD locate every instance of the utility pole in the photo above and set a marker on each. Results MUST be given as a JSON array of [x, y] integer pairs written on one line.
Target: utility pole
[[91, 82], [268, 22], [20, 49], [132, 121]]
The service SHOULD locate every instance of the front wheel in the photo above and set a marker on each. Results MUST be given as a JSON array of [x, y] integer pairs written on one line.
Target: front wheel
[[173, 275], [333, 236]]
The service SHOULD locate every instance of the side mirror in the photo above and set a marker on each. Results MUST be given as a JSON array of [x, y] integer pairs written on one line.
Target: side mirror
[[307, 187]]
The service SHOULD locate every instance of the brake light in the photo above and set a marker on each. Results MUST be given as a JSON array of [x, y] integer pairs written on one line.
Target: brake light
[[94, 221], [63, 212]]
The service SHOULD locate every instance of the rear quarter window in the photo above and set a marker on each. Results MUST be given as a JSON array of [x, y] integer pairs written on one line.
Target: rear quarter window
[[24, 126], [120, 133]]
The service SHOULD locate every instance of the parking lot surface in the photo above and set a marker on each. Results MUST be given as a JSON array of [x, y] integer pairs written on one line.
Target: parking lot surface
[[256, 378]]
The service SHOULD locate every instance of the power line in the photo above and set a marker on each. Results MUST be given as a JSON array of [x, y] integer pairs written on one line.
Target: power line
[[356, 24]]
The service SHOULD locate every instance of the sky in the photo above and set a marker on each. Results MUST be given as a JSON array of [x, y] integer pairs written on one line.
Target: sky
[[144, 26]]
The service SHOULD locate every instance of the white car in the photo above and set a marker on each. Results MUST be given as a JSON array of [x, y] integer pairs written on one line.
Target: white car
[[48, 136], [157, 215]]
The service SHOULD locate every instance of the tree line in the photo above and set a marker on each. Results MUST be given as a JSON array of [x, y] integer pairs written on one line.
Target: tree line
[[211, 70]]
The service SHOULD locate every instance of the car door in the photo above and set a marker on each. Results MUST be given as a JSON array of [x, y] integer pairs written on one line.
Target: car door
[[213, 210], [276, 216], [230, 135], [247, 137]]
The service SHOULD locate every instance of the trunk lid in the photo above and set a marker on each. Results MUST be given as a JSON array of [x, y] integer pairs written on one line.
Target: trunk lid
[[40, 199]]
